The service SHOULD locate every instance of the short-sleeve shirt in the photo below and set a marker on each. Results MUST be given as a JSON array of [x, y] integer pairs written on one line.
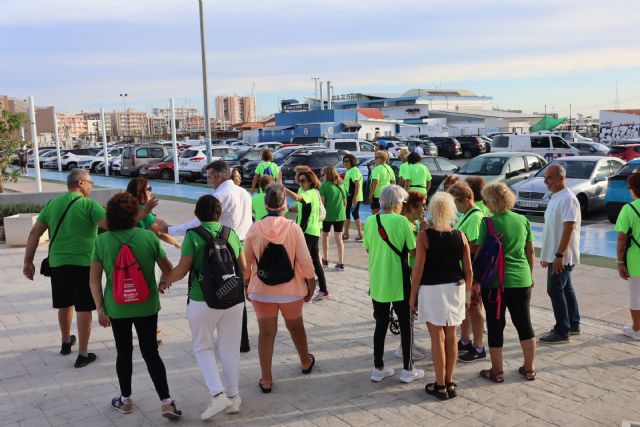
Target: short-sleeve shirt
[[147, 249], [309, 212], [257, 206], [74, 242], [148, 220], [273, 169], [563, 207], [384, 175], [350, 177], [193, 246], [385, 268], [628, 219], [334, 199], [419, 175], [470, 223], [514, 231], [403, 171], [485, 210]]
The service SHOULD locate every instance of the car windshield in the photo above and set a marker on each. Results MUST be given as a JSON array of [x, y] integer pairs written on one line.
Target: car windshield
[[282, 153], [234, 155], [576, 170], [168, 158], [484, 166], [599, 147], [297, 159], [629, 169]]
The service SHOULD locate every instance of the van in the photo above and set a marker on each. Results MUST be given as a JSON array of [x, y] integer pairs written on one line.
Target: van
[[135, 156], [351, 145], [548, 146]]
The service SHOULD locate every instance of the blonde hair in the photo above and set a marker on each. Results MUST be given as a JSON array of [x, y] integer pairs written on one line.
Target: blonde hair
[[384, 154], [442, 210], [403, 154], [498, 198], [332, 175]]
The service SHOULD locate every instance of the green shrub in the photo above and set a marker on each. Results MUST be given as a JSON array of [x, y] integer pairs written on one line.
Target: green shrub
[[8, 210]]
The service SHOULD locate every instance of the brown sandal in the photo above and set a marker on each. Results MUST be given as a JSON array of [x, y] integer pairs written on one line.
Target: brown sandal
[[496, 377], [265, 387], [529, 375]]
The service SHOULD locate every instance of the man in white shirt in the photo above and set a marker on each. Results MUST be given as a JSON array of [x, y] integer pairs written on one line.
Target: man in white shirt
[[560, 253]]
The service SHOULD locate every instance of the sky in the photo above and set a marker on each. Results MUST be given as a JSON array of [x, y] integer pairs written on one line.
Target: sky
[[82, 54]]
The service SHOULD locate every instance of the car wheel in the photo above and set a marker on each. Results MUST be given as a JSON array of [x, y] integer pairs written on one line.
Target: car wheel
[[467, 154], [71, 165], [584, 204], [92, 169], [166, 174]]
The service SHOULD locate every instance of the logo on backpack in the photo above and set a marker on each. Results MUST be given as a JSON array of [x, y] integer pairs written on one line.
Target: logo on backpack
[[490, 262], [129, 284], [274, 266]]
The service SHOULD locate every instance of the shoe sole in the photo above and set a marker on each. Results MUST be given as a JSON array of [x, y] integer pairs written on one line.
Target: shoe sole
[[556, 342], [121, 411], [473, 360], [411, 380], [82, 365], [171, 415]]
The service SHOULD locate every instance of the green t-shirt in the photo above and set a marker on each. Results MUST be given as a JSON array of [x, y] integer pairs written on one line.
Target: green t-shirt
[[77, 235], [419, 175], [514, 231], [147, 249], [415, 227], [384, 175], [385, 269], [470, 223], [335, 197], [403, 171], [273, 168], [485, 210], [628, 219], [257, 206], [350, 177], [147, 221], [193, 245], [309, 211]]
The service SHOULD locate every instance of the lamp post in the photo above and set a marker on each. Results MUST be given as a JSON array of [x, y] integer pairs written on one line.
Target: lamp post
[[126, 117], [205, 89]]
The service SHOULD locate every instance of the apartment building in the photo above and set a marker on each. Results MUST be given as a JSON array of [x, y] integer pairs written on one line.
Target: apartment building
[[129, 123], [232, 110]]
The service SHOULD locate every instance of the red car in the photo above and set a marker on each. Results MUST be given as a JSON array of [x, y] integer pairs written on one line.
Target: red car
[[625, 152], [162, 169]]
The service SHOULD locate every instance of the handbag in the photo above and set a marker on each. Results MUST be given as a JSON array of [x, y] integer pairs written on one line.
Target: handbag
[[322, 211], [45, 269]]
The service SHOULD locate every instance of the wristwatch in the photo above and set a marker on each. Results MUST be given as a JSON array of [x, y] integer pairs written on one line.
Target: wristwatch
[[559, 255]]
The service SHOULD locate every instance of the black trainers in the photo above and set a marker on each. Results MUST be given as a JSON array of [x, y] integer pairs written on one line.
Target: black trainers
[[66, 347], [473, 355], [325, 262], [83, 361], [554, 338], [575, 330], [464, 347]]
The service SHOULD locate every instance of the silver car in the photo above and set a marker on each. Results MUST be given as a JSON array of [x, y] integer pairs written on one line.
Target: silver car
[[587, 177]]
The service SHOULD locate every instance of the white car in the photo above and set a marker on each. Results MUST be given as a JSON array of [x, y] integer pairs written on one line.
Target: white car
[[114, 165], [90, 163], [44, 156], [272, 145], [193, 159], [71, 159]]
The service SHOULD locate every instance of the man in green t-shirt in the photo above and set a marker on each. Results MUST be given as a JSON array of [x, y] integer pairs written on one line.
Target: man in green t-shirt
[[381, 176], [70, 249], [266, 168]]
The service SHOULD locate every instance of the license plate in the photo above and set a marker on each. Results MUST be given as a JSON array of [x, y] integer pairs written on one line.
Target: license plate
[[183, 163], [288, 181], [526, 204]]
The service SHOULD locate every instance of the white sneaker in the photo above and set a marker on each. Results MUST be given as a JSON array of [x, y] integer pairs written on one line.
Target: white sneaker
[[378, 375], [217, 404], [415, 353], [235, 405], [412, 375], [628, 331]]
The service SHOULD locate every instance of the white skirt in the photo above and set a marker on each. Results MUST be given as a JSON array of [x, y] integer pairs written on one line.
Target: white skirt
[[442, 305]]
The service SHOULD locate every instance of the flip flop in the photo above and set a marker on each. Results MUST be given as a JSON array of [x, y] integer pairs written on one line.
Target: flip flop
[[310, 368]]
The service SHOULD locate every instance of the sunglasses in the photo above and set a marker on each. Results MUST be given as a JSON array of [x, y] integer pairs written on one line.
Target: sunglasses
[[302, 181], [149, 188]]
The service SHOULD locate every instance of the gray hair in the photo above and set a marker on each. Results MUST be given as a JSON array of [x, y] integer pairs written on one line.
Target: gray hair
[[561, 170], [220, 168], [275, 197], [391, 196], [75, 176]]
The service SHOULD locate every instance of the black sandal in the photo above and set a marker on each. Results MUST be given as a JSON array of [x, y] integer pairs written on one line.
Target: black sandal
[[263, 388], [310, 368], [529, 375], [452, 388], [439, 391]]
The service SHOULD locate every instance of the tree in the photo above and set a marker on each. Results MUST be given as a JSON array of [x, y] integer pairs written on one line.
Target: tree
[[10, 123]]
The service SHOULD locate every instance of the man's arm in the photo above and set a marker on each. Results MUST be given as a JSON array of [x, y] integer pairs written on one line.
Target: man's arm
[[567, 229], [38, 229], [179, 230]]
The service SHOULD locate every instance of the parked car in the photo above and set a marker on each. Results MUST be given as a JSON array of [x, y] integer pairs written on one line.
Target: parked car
[[548, 146], [394, 147], [471, 146], [587, 177], [570, 136], [618, 192], [71, 159], [272, 145], [315, 158], [363, 163], [439, 167], [509, 168], [242, 157], [194, 159], [90, 163], [135, 156], [625, 152], [447, 146], [44, 156], [279, 156], [114, 166], [590, 148], [353, 146], [429, 148], [162, 169]]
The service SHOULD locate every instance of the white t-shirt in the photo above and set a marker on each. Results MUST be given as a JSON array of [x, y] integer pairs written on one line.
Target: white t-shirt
[[419, 150], [563, 207]]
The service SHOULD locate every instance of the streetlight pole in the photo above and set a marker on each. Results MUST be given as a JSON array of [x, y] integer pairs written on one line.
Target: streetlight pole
[[126, 116], [205, 88]]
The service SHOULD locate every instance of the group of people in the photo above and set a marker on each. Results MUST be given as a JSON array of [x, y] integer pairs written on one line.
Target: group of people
[[417, 267]]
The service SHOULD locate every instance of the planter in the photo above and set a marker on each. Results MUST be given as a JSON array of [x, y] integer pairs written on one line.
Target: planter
[[18, 227]]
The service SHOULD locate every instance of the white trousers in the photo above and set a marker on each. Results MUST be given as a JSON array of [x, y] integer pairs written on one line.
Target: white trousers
[[228, 323]]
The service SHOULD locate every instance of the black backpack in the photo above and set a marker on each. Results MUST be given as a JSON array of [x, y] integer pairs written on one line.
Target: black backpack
[[274, 266], [220, 278]]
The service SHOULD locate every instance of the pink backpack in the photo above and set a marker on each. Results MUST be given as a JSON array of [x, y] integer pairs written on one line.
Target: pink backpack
[[129, 284]]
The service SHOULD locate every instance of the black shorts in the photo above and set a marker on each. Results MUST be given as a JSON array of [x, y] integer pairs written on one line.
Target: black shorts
[[70, 287], [338, 226], [375, 204], [353, 211]]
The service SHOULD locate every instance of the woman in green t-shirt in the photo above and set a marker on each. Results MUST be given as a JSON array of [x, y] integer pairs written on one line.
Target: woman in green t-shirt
[[629, 260], [308, 218], [145, 246], [403, 170], [353, 184], [417, 176], [334, 198], [381, 176], [267, 167], [477, 183], [515, 234], [257, 200]]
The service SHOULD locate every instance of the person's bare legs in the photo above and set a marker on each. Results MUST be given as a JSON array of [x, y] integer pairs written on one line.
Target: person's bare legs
[[83, 318], [474, 314], [339, 246], [437, 351], [529, 353], [268, 328], [450, 352], [347, 224], [359, 227], [635, 319], [299, 338], [496, 360], [325, 246], [65, 318]]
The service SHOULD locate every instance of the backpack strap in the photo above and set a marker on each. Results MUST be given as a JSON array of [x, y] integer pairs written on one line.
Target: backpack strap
[[500, 272], [64, 214], [468, 214], [206, 236], [630, 230], [385, 236]]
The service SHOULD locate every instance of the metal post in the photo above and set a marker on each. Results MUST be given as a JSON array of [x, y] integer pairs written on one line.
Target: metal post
[[34, 141], [569, 116], [321, 100], [174, 142], [328, 94], [57, 137], [205, 88], [104, 142]]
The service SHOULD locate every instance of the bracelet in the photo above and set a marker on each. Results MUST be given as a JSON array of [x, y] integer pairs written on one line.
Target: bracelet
[[559, 255], [621, 262]]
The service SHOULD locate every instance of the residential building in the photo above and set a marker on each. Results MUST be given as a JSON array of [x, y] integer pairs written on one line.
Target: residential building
[[94, 127], [44, 117], [129, 123], [231, 110]]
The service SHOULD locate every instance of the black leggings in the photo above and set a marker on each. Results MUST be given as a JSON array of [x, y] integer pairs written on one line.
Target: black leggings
[[517, 301], [312, 245], [146, 328], [353, 211], [381, 312]]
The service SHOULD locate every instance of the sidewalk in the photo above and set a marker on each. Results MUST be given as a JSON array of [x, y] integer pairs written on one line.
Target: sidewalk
[[595, 380]]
